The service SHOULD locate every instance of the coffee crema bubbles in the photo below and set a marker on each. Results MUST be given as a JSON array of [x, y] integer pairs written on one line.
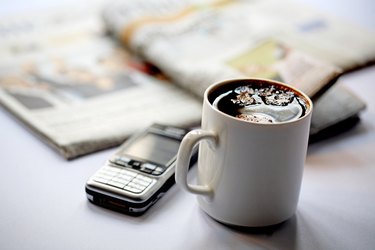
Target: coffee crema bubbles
[[260, 104]]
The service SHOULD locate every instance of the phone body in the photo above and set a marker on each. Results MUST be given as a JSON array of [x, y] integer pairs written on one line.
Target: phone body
[[140, 172]]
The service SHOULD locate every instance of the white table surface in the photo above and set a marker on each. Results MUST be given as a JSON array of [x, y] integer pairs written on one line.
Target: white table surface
[[43, 203]]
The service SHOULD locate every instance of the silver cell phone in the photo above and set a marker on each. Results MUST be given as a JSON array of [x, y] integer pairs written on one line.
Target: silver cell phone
[[139, 173]]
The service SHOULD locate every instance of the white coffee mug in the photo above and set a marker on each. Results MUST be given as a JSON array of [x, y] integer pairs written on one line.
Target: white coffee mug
[[249, 174]]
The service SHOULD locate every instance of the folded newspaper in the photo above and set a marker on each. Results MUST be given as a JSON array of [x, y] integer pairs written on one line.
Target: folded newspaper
[[80, 91], [77, 88], [200, 42]]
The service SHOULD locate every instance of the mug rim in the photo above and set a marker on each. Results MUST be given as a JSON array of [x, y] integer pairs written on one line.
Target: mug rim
[[218, 84]]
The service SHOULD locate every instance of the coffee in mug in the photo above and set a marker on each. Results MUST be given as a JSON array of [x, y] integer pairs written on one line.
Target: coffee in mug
[[259, 102]]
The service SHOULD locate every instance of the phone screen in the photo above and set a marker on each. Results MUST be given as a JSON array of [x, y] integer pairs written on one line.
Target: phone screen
[[154, 148]]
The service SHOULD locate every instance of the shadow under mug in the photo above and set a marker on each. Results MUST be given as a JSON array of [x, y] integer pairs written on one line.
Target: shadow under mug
[[249, 174]]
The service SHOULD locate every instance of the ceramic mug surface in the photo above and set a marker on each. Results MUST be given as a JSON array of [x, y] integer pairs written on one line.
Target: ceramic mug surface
[[249, 172]]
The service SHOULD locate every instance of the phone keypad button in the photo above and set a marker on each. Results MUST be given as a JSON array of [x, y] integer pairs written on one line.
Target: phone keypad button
[[144, 178], [137, 186], [109, 171], [101, 179], [123, 178], [133, 190], [158, 171], [135, 164], [148, 167], [141, 182], [126, 173], [116, 184], [105, 175]]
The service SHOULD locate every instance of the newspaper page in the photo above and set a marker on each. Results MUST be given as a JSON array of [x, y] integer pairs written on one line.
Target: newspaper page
[[197, 43], [334, 112], [77, 88]]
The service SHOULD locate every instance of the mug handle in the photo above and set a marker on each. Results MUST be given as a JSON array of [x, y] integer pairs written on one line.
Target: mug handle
[[183, 158]]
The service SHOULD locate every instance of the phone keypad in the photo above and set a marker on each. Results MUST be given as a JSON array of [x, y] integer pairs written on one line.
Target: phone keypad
[[123, 179]]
